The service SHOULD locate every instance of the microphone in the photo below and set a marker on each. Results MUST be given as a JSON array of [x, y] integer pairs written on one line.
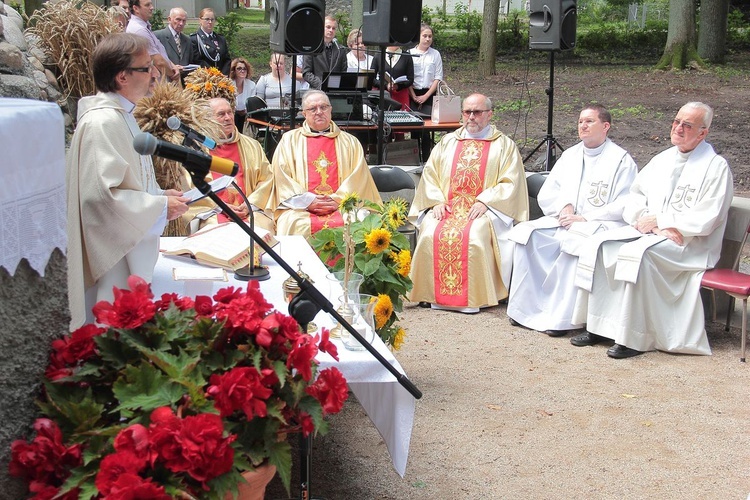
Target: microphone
[[174, 123], [194, 161]]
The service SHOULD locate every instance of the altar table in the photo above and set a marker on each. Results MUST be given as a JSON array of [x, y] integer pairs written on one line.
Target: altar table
[[389, 406]]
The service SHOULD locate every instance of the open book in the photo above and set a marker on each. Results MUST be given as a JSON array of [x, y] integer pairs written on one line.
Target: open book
[[222, 245]]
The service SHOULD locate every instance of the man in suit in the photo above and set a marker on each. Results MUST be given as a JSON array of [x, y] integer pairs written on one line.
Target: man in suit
[[176, 43], [318, 67], [209, 48]]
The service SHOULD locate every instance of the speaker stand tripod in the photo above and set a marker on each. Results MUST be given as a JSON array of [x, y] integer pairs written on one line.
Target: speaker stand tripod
[[549, 140]]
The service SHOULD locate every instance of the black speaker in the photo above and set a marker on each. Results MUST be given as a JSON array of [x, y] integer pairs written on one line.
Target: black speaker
[[297, 26], [386, 22], [552, 24]]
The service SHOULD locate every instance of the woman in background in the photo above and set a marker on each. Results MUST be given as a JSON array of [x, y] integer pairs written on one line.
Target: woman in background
[[428, 71], [276, 84], [399, 77], [240, 72], [357, 59]]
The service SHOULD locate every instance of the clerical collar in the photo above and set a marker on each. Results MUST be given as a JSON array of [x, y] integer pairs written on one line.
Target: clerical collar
[[321, 132], [594, 151], [482, 134], [226, 141], [124, 102]]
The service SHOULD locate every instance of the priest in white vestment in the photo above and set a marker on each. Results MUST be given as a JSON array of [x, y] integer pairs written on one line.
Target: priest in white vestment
[[116, 210], [472, 191], [645, 293], [584, 194], [314, 167]]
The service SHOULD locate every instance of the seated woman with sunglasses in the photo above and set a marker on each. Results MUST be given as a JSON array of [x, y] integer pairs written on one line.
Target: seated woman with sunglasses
[[240, 73]]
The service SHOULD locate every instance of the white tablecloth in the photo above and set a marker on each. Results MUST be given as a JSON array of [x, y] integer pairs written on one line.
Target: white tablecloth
[[32, 191], [389, 406]]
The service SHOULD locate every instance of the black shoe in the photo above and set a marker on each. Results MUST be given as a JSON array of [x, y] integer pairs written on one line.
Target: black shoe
[[513, 322], [556, 333], [587, 338], [425, 305], [618, 351]]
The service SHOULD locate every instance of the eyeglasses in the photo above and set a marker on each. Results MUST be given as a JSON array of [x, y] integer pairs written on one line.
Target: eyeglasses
[[240, 69], [685, 125], [318, 109], [209, 19], [146, 69], [476, 112]]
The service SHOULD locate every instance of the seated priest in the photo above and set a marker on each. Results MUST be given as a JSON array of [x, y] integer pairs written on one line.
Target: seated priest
[[643, 291], [314, 167], [254, 177], [473, 190], [583, 195]]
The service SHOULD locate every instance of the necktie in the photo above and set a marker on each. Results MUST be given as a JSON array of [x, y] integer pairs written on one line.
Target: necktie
[[329, 50], [177, 41]]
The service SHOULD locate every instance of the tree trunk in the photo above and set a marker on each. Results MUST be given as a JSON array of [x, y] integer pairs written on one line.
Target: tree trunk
[[712, 34], [488, 40], [267, 13], [680, 49]]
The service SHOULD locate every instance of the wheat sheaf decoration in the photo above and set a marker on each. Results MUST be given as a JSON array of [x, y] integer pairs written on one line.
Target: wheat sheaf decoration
[[68, 31], [208, 83], [152, 113]]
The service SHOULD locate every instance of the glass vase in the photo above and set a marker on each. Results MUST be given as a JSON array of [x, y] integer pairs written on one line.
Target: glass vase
[[364, 322], [348, 292]]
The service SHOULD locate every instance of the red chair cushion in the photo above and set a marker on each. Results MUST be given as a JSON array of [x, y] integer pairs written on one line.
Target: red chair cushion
[[727, 280]]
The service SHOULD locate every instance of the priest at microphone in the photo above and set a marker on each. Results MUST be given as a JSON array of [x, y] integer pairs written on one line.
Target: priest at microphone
[[116, 210]]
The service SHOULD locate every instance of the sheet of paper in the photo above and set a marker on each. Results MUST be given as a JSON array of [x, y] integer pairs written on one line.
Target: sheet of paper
[[199, 273], [216, 185]]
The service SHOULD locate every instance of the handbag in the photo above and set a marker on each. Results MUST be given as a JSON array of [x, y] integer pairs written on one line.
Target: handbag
[[446, 105]]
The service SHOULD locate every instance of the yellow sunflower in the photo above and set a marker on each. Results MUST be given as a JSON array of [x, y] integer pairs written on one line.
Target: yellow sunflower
[[398, 339], [383, 310], [403, 258], [395, 213], [350, 202], [378, 240]]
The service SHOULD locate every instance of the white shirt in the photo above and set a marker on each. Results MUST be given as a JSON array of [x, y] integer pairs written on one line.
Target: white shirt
[[427, 68]]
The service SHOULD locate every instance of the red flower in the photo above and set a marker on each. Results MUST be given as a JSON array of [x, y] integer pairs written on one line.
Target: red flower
[[115, 465], [129, 310], [276, 329], [204, 306], [195, 445], [78, 346], [135, 439], [242, 389], [182, 303], [227, 295], [330, 389], [140, 286], [133, 487], [306, 421], [48, 492], [326, 345], [46, 459], [302, 356]]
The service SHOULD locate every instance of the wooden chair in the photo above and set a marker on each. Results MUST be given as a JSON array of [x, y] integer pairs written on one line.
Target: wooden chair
[[736, 285]]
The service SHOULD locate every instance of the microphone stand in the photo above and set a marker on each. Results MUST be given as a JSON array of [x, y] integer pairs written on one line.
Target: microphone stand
[[250, 271], [303, 308]]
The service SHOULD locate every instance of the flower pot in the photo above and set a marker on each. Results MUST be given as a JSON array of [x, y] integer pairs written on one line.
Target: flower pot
[[257, 480]]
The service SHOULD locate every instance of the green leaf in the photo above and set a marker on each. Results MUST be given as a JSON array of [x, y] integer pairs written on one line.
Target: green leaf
[[145, 388], [280, 455], [74, 409]]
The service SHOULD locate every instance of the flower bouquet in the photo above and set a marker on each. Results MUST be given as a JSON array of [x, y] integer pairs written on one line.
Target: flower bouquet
[[372, 246], [176, 398]]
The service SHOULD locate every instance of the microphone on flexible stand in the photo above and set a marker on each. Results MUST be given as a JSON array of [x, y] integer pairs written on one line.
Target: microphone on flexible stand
[[250, 271], [194, 161], [191, 135]]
